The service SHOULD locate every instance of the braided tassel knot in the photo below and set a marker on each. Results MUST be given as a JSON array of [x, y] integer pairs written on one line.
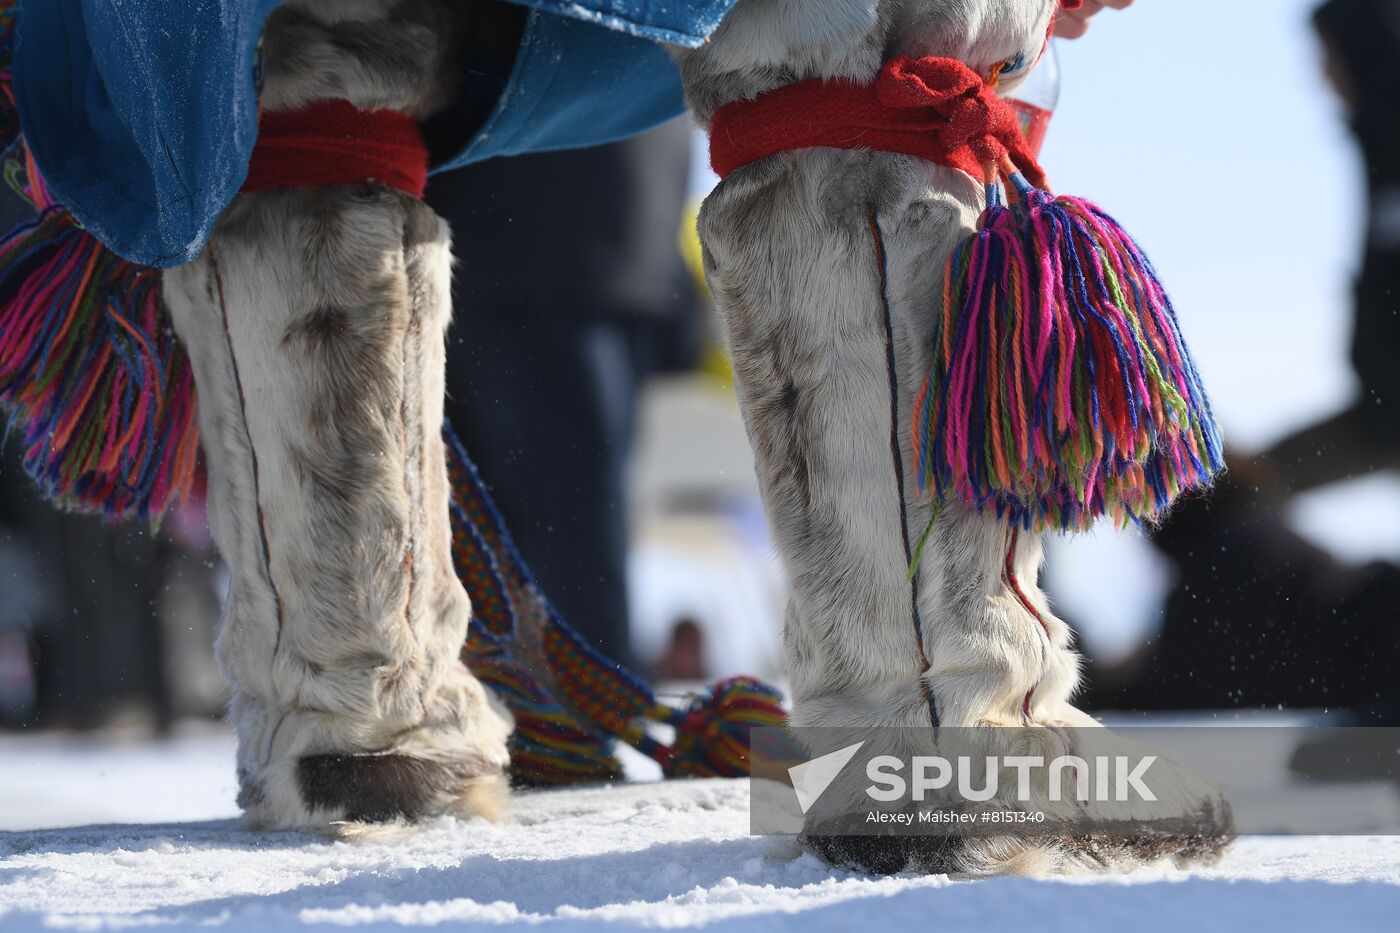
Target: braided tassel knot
[[712, 735], [971, 120]]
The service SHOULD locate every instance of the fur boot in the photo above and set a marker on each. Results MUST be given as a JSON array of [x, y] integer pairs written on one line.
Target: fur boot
[[791, 258], [315, 320]]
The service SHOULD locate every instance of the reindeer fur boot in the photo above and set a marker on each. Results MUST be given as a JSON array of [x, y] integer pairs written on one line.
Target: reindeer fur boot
[[315, 321], [830, 342]]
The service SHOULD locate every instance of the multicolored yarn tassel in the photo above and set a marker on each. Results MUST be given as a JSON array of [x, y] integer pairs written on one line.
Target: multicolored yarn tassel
[[1061, 389], [570, 703], [90, 369]]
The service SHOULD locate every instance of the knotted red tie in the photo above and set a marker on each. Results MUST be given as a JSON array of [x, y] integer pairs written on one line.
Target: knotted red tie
[[937, 109]]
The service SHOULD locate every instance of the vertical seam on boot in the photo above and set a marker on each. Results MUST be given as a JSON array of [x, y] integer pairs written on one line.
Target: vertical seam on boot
[[413, 487], [1009, 579], [409, 487], [272, 739], [252, 450], [898, 459]]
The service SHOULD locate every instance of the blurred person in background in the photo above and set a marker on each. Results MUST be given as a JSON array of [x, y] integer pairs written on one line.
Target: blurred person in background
[[1259, 617], [101, 624], [59, 574], [24, 604], [82, 645], [1361, 45], [569, 292]]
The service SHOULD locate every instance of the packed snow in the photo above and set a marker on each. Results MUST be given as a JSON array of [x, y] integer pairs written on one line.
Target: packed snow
[[101, 834]]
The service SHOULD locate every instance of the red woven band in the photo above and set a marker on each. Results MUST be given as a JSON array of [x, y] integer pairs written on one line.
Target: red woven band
[[334, 143], [937, 109]]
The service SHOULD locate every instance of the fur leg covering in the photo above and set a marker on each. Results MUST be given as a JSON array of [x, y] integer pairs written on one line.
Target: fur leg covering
[[830, 347], [315, 321]]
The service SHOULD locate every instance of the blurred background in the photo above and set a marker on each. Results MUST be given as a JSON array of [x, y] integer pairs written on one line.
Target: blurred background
[[1268, 195]]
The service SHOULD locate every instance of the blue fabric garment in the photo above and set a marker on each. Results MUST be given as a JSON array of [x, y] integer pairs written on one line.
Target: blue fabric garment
[[679, 22], [142, 113], [576, 84]]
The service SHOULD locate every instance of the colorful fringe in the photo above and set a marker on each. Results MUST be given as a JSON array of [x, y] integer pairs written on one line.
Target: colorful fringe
[[91, 371], [569, 701], [1061, 389]]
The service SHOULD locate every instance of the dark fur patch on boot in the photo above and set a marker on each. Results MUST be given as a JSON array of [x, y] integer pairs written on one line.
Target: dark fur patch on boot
[[375, 788], [1202, 836], [888, 855]]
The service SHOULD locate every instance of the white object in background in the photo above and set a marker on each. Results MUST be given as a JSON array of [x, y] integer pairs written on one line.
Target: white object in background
[[1358, 521]]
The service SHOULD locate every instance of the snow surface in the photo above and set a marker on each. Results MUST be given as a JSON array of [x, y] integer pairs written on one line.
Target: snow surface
[[148, 837]]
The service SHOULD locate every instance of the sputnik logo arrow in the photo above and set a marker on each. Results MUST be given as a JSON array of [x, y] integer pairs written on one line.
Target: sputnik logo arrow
[[811, 779]]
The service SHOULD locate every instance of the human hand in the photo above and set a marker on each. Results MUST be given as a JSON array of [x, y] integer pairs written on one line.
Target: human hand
[[1073, 23]]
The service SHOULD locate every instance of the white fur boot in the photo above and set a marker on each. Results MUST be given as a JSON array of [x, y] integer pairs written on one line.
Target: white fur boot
[[827, 374], [315, 321]]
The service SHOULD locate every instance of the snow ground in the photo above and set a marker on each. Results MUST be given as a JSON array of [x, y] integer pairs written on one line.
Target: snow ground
[[147, 836]]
